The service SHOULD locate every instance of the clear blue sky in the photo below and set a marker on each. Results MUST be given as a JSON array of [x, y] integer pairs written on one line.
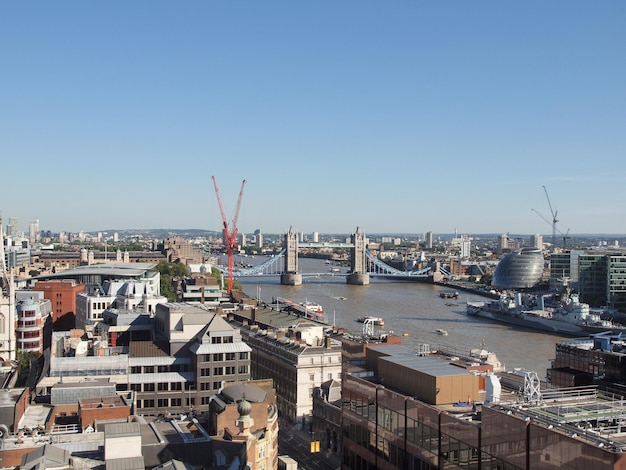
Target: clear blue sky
[[402, 116]]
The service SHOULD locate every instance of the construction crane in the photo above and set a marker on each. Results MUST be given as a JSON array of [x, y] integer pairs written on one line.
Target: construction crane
[[553, 222], [230, 232], [554, 219]]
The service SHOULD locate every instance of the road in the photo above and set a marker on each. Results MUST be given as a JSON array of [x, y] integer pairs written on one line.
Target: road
[[297, 444]]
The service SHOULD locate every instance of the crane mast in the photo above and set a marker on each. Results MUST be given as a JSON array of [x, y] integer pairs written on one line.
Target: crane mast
[[553, 222], [230, 232], [554, 219]]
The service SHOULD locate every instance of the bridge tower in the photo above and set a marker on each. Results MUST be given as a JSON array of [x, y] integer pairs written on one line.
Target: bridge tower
[[290, 276], [358, 269]]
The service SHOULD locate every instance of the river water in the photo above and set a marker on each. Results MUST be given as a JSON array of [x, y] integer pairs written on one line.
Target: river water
[[410, 308]]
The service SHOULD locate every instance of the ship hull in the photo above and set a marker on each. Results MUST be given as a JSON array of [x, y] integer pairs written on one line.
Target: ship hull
[[536, 322]]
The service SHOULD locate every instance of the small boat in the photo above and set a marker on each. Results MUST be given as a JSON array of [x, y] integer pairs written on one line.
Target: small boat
[[441, 332], [449, 295], [375, 320]]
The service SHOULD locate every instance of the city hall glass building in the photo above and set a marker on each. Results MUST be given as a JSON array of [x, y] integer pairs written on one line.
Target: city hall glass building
[[520, 269]]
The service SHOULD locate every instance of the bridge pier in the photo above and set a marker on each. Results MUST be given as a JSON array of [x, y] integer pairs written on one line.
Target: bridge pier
[[358, 279], [291, 279]]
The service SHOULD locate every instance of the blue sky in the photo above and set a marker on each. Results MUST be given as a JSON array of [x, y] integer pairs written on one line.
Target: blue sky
[[401, 116]]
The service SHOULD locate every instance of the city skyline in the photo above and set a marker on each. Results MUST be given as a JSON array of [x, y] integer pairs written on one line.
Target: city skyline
[[408, 117]]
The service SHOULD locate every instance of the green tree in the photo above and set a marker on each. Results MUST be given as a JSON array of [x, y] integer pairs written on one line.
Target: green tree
[[169, 271]]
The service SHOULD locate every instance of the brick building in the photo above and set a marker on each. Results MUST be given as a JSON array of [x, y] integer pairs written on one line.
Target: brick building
[[62, 294]]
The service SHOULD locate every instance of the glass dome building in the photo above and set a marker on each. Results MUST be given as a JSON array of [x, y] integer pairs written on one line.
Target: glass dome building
[[520, 269]]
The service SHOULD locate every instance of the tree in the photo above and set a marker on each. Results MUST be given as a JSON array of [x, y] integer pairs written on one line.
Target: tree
[[169, 271]]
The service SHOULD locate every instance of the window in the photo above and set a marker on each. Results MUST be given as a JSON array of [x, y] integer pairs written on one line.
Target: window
[[148, 387], [218, 357], [216, 340], [217, 385], [162, 403], [162, 386], [243, 369], [175, 402], [330, 376], [312, 377], [176, 386], [228, 339], [230, 370], [243, 356], [148, 370], [230, 356], [218, 371]]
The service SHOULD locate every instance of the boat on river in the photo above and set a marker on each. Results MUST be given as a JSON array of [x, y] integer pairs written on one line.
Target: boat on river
[[378, 321], [441, 331], [306, 309], [569, 318], [449, 294]]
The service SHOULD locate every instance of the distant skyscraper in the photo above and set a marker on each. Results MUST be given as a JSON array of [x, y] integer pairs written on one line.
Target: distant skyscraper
[[316, 237], [259, 238], [12, 227], [536, 241], [503, 243], [115, 237], [33, 232], [243, 239], [466, 246], [429, 240]]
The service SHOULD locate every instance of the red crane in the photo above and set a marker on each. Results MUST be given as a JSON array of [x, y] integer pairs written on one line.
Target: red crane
[[230, 233]]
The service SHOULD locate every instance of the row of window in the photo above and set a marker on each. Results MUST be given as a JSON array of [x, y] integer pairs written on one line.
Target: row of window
[[222, 339], [162, 386], [221, 357], [160, 369], [163, 403], [229, 370]]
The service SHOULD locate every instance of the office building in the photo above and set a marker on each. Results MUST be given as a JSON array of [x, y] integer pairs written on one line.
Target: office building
[[62, 294], [520, 269], [390, 421]]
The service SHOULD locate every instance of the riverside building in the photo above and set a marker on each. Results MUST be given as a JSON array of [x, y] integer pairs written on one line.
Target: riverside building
[[409, 413]]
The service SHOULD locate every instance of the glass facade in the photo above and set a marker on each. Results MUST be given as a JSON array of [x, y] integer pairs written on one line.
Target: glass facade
[[384, 429], [520, 269]]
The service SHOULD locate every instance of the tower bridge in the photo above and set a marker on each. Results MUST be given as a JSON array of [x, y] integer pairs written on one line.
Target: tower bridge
[[363, 264]]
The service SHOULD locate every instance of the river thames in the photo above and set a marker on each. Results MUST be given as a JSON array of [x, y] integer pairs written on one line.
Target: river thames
[[412, 310]]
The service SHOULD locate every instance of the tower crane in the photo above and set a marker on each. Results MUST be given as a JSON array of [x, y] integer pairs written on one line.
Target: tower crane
[[230, 232], [554, 219], [553, 222]]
